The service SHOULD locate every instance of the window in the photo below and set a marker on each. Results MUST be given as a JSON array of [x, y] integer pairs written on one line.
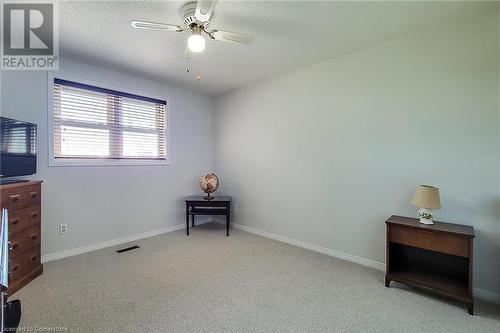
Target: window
[[93, 123]]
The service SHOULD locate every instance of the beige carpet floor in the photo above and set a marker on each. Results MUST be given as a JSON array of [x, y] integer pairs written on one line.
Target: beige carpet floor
[[243, 283]]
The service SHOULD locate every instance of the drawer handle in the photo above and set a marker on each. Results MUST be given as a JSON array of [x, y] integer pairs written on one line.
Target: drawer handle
[[15, 268], [33, 215], [34, 258], [426, 232], [33, 237], [14, 222], [15, 197], [33, 194]]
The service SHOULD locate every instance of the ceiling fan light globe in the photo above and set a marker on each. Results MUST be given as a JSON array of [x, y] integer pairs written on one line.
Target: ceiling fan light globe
[[196, 43]]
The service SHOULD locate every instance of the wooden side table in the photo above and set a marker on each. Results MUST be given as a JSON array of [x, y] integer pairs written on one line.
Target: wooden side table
[[197, 205], [436, 258]]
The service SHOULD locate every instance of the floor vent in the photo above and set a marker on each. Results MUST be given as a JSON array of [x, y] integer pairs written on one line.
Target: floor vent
[[127, 249]]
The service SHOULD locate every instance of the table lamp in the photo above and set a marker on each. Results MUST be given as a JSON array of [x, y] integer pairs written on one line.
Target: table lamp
[[426, 198]]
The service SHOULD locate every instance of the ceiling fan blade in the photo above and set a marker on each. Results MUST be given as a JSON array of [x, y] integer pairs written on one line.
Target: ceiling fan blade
[[231, 37], [155, 26], [204, 10]]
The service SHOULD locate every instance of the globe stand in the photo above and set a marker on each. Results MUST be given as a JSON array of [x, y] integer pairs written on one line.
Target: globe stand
[[209, 197]]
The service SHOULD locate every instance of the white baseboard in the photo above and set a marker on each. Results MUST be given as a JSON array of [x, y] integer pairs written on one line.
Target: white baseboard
[[113, 242], [316, 248], [486, 295]]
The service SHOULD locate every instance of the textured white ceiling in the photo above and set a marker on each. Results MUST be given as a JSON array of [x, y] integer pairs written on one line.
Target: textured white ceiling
[[289, 35]]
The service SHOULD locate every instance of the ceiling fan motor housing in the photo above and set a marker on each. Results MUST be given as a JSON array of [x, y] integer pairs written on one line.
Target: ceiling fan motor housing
[[190, 20]]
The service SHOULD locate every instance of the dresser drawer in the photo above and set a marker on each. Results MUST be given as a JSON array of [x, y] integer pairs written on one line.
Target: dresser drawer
[[22, 219], [24, 264], [20, 197], [430, 240], [24, 240]]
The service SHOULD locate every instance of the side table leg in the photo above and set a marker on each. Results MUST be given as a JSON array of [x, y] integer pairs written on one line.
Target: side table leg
[[227, 223], [387, 281], [470, 308]]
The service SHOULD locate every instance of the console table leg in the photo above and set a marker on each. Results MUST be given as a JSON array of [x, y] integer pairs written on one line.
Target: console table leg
[[187, 220]]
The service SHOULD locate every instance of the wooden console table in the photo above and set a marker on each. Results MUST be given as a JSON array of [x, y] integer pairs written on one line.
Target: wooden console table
[[196, 205], [435, 258]]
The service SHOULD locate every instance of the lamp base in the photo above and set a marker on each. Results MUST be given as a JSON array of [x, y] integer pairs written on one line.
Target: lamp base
[[426, 221], [425, 216]]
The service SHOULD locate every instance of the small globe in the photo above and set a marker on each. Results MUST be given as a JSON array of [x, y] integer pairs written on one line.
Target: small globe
[[209, 184]]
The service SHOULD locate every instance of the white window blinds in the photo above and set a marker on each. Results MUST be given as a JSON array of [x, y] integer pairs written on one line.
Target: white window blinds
[[97, 123]]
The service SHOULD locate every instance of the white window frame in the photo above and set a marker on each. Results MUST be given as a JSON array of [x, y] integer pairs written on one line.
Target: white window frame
[[73, 162]]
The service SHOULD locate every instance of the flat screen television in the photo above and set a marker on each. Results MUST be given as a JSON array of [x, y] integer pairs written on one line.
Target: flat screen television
[[18, 148]]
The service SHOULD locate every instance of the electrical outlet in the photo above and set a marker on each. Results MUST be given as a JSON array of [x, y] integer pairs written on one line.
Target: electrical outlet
[[235, 208], [63, 229]]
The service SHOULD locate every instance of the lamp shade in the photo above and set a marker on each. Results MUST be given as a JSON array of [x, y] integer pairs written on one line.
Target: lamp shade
[[426, 197]]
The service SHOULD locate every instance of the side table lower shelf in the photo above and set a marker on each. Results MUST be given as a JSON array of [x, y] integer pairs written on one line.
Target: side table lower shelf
[[436, 285]]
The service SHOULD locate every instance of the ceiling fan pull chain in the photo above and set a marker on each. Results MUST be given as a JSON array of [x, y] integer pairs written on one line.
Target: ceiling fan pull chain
[[198, 74]]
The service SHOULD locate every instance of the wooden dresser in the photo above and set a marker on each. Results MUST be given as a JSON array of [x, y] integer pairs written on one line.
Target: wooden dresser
[[22, 200], [435, 258]]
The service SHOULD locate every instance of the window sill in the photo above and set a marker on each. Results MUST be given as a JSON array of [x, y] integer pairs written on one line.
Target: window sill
[[70, 162]]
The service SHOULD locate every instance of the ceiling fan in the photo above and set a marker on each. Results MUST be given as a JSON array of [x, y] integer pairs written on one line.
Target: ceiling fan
[[196, 21]]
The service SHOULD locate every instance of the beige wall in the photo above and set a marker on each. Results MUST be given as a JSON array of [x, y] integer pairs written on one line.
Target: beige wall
[[326, 153]]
